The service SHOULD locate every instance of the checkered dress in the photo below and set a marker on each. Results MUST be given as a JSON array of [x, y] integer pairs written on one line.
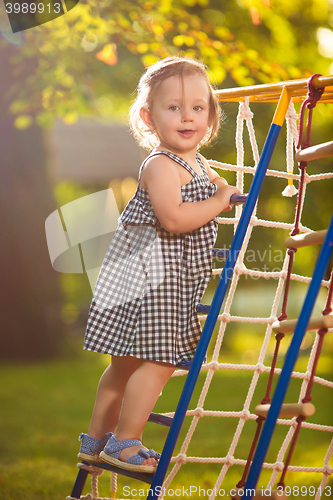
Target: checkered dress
[[151, 281]]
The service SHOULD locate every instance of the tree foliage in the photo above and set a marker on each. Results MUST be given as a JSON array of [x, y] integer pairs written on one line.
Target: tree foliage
[[88, 62], [243, 42]]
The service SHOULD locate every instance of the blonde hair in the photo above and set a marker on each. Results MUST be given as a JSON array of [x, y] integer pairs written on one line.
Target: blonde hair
[[149, 83]]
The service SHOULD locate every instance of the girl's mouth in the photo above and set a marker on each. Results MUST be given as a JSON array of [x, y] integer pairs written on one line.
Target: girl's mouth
[[186, 133]]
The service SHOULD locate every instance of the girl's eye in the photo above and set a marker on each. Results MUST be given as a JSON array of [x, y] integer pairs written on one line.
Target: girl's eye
[[174, 108], [197, 108]]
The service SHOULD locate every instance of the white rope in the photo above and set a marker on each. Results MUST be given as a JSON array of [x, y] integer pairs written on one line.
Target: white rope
[[265, 223], [292, 138], [230, 460], [95, 473], [113, 484], [270, 173], [327, 469]]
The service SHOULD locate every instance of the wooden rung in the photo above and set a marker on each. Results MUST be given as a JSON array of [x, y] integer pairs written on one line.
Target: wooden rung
[[306, 239], [263, 493], [289, 325], [288, 410], [315, 152]]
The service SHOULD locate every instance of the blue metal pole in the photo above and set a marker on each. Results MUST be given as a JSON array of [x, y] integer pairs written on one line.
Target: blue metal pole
[[79, 483], [219, 295], [291, 358]]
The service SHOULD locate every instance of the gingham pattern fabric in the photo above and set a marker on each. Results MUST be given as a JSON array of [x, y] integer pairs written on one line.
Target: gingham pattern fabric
[[151, 281]]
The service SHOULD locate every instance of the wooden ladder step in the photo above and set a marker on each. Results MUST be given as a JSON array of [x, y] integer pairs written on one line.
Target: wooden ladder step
[[288, 410], [315, 152], [306, 239], [289, 325]]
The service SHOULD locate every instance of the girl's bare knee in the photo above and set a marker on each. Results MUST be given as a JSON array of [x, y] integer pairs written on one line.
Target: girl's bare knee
[[127, 363], [159, 369]]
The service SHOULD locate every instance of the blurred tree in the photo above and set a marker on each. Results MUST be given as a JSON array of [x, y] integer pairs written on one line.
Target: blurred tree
[[88, 62], [99, 48], [30, 299]]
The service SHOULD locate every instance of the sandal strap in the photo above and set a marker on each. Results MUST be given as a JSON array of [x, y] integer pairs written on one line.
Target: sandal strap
[[114, 445], [139, 457], [153, 454], [144, 453]]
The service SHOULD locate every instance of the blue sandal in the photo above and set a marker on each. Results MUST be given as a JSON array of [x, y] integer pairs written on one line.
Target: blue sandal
[[91, 447], [112, 451]]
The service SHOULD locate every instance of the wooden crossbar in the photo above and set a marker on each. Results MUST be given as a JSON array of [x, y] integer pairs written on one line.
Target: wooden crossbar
[[297, 97], [288, 410], [271, 92], [289, 325], [306, 239], [315, 152]]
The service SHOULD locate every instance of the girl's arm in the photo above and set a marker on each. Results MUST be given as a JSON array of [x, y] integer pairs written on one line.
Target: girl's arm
[[216, 179], [161, 177]]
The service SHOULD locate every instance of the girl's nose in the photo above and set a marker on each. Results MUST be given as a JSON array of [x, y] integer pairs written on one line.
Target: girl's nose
[[187, 115]]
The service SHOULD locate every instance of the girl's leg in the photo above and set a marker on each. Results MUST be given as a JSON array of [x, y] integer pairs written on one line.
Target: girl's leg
[[110, 395], [142, 390]]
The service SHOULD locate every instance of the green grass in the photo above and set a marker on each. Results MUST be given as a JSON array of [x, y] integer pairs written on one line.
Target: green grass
[[44, 408]]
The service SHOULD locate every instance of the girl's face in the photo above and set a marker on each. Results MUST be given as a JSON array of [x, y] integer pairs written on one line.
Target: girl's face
[[179, 113]]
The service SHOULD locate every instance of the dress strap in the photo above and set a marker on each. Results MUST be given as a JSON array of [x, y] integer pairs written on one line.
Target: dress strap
[[176, 158]]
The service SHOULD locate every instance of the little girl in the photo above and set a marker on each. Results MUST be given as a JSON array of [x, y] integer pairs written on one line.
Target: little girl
[[158, 264]]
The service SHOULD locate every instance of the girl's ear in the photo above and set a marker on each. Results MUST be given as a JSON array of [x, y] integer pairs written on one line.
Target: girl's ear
[[147, 118]]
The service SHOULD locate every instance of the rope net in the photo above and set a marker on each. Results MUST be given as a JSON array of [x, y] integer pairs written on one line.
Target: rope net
[[262, 368]]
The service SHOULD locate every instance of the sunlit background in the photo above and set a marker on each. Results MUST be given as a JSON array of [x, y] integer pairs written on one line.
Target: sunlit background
[[65, 91]]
